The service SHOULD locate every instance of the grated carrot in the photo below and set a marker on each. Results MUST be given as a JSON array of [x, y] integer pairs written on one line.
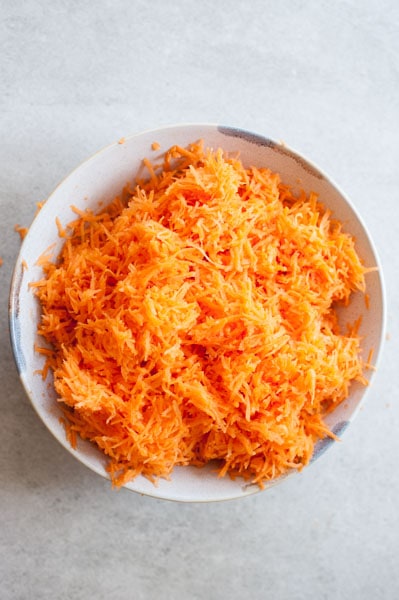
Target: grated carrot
[[39, 205], [61, 230], [21, 230], [197, 322], [368, 364]]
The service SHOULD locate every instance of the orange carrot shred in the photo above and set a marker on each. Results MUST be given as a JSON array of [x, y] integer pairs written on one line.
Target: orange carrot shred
[[61, 230], [21, 230], [39, 205], [196, 321], [368, 364]]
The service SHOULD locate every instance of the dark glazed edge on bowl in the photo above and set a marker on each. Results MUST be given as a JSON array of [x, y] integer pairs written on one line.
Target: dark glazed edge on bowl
[[259, 140], [14, 321], [249, 136], [323, 444]]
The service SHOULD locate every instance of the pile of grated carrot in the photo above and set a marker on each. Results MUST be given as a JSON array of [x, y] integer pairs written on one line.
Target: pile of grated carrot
[[195, 319]]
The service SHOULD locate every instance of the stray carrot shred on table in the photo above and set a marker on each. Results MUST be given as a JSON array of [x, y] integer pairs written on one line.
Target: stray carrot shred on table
[[21, 230], [197, 321], [39, 205]]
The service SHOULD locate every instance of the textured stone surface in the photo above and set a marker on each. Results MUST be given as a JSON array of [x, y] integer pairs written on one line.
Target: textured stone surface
[[322, 76]]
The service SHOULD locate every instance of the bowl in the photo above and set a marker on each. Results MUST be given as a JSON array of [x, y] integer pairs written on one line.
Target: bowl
[[100, 179]]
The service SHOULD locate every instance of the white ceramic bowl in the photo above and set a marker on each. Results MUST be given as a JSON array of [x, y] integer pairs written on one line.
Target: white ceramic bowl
[[101, 178]]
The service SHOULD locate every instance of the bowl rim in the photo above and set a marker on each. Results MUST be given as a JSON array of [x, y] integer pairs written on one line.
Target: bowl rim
[[258, 139]]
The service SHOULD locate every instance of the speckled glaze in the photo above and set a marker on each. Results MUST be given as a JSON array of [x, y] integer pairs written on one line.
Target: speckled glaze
[[102, 177]]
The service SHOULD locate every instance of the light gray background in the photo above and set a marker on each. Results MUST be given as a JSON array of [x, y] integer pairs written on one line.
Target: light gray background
[[324, 77]]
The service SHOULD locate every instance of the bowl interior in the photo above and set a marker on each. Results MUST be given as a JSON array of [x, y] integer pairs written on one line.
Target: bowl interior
[[100, 179]]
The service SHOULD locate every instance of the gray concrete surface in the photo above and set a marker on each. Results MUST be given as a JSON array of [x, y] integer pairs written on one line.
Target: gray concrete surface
[[322, 76]]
